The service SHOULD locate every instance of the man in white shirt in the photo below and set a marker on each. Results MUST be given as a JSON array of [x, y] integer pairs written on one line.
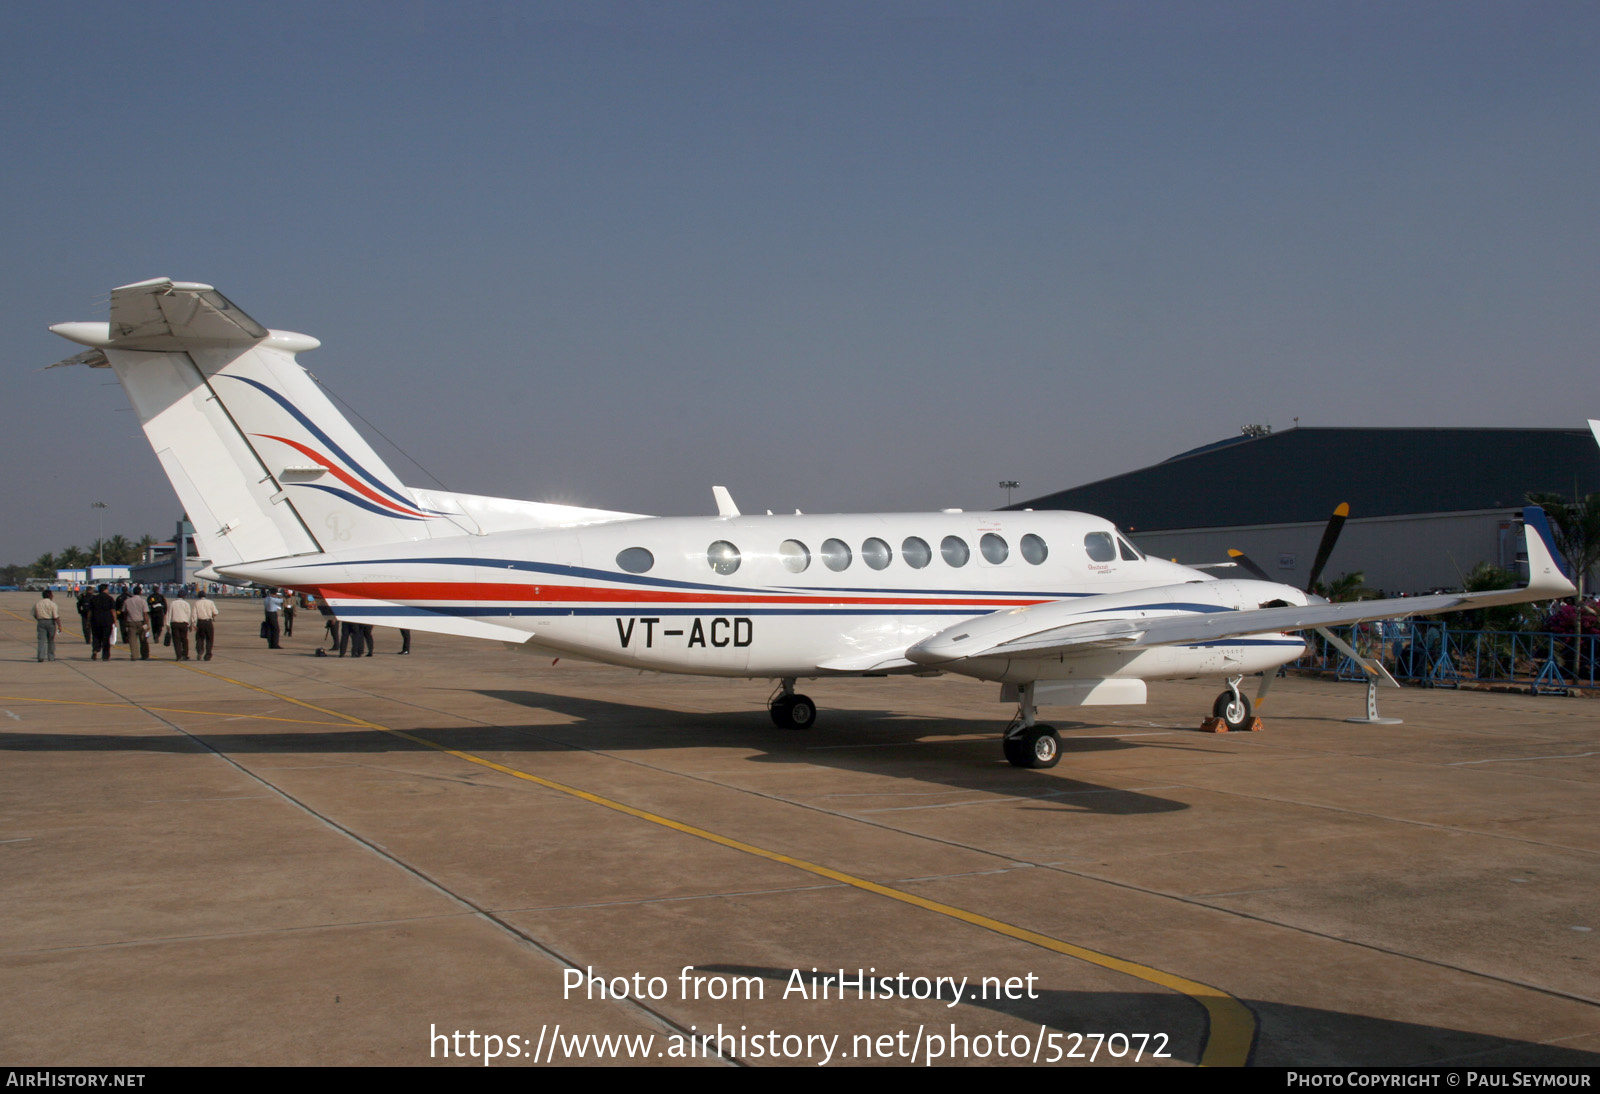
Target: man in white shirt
[[205, 634], [136, 623], [180, 613], [48, 624]]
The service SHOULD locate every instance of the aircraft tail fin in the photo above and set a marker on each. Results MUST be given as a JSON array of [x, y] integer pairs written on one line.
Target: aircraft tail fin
[[263, 463]]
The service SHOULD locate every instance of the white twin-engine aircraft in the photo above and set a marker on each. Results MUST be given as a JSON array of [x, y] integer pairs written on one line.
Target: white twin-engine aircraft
[[1058, 607]]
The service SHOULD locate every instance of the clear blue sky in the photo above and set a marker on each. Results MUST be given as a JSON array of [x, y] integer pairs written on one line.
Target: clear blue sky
[[835, 256]]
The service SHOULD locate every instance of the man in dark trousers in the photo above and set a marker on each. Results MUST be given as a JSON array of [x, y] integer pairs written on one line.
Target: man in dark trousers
[[102, 618], [273, 604], [180, 614], [205, 630], [158, 612], [85, 593]]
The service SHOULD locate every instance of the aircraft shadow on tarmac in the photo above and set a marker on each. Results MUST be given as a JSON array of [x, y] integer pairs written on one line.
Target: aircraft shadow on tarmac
[[1286, 1036], [866, 741]]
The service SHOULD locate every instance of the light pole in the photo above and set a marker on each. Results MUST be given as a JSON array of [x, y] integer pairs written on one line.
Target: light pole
[[100, 543], [1009, 485]]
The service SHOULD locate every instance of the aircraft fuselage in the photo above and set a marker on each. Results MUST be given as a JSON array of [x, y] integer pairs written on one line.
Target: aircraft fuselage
[[784, 596]]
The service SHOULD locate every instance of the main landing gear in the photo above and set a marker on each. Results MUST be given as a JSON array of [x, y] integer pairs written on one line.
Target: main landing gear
[[1232, 706], [791, 711], [1027, 743]]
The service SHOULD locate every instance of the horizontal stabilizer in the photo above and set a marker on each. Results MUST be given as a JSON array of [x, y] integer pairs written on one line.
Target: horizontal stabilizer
[[162, 315]]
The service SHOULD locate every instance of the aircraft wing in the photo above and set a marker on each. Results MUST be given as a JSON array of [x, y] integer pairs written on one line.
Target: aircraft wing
[[1044, 630]]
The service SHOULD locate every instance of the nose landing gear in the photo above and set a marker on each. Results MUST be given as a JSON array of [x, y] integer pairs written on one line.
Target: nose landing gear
[[1232, 707]]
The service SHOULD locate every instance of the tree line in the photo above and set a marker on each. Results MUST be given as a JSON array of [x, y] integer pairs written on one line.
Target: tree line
[[118, 549]]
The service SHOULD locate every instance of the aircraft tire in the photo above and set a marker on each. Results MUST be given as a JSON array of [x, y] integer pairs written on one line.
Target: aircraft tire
[[781, 714], [1036, 747], [802, 713], [1044, 747], [1235, 715]]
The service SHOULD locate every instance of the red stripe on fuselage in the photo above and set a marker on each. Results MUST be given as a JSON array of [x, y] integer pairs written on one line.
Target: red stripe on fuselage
[[418, 591]]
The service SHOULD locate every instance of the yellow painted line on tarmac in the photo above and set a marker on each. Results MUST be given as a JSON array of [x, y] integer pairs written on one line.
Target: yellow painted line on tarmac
[[1232, 1028]]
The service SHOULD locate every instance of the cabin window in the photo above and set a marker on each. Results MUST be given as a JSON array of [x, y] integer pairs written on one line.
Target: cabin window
[[876, 553], [1033, 549], [1100, 546], [916, 552], [835, 554], [723, 557], [955, 551], [1128, 552], [796, 556], [994, 548], [635, 560]]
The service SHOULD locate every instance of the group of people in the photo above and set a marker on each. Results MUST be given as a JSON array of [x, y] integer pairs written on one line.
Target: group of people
[[354, 639], [138, 617]]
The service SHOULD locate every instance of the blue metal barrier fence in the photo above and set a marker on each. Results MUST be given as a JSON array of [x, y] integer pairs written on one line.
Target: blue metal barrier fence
[[1431, 653]]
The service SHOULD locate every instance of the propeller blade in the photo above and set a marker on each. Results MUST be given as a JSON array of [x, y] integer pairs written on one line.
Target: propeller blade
[[1266, 685], [1330, 536], [1246, 564]]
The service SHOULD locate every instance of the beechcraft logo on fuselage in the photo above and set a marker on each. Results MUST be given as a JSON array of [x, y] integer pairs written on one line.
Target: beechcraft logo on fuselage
[[644, 631]]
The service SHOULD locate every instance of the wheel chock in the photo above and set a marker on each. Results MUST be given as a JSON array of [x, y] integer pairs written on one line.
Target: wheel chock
[[1218, 725]]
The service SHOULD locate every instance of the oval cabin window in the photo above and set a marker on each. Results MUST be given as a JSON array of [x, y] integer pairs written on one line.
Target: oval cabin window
[[723, 557], [635, 560]]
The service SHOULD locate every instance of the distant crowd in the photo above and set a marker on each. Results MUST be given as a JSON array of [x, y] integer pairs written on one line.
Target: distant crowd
[[137, 616]]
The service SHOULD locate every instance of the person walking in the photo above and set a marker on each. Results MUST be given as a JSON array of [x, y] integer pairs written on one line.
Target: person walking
[[205, 633], [405, 640], [158, 612], [288, 614], [180, 613], [84, 593], [48, 623], [136, 624], [364, 637], [102, 618]]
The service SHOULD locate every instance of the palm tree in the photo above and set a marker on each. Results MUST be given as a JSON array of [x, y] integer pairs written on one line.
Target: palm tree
[[120, 549], [1350, 587]]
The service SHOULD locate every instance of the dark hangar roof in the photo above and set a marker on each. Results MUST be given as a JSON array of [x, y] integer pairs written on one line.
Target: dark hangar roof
[[1300, 475]]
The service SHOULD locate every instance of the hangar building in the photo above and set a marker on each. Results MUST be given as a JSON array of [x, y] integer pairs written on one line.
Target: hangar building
[[1426, 505]]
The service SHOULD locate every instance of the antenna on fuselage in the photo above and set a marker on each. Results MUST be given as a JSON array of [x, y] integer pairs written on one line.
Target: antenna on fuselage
[[725, 506]]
